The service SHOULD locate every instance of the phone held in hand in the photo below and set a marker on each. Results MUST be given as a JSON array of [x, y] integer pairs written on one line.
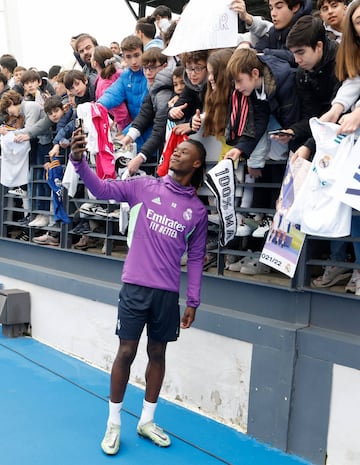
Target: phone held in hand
[[79, 123]]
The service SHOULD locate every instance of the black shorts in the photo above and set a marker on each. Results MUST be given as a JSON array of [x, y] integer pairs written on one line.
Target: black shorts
[[155, 308]]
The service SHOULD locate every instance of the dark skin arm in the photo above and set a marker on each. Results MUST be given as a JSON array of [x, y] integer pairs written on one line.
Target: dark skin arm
[[78, 145]]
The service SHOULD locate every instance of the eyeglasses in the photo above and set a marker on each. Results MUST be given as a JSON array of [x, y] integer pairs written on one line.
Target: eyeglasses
[[151, 68], [195, 69]]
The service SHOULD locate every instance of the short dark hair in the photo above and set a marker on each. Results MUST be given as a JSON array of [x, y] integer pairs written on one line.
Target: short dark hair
[[189, 57], [11, 97], [307, 31], [244, 60], [8, 61], [73, 75], [130, 43], [198, 177], [54, 71], [320, 3], [146, 26], [152, 55], [163, 11], [53, 102], [178, 71], [85, 36], [30, 75]]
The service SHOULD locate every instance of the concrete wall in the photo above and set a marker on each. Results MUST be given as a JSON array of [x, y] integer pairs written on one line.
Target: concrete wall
[[206, 372]]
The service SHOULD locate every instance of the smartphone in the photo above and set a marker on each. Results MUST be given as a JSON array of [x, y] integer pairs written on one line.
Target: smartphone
[[280, 132], [79, 123]]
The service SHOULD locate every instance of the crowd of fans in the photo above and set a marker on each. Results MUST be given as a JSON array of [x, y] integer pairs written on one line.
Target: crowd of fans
[[304, 63]]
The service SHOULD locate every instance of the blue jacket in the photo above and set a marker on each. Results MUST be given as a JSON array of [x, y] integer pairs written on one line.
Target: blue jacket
[[130, 87]]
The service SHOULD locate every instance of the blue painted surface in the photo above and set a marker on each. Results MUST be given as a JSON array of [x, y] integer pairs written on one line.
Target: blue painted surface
[[53, 410]]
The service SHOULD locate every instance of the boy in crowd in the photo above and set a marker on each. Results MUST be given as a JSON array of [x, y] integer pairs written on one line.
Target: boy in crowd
[[78, 84], [18, 72], [316, 82], [332, 12], [317, 85], [193, 96], [132, 86], [153, 111], [31, 81], [54, 110]]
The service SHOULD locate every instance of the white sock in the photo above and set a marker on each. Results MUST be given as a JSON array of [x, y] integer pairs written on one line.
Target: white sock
[[114, 412], [148, 412]]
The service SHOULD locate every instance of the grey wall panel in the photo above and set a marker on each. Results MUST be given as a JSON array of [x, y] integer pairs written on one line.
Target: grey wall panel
[[309, 419], [270, 393]]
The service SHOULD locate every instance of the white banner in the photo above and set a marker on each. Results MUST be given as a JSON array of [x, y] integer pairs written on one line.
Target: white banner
[[284, 240], [346, 187], [204, 25]]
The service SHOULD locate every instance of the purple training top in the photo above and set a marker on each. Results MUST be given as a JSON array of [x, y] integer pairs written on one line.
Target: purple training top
[[165, 217]]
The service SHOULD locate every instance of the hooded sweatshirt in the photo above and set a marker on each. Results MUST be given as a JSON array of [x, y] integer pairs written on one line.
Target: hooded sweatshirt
[[165, 218]]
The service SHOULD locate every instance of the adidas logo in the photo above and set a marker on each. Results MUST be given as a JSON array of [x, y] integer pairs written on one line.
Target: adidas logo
[[157, 200]]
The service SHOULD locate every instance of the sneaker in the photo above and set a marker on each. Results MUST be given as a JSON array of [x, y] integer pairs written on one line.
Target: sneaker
[[242, 262], [87, 208], [25, 220], [100, 211], [85, 243], [40, 221], [353, 283], [111, 442], [263, 227], [22, 236], [214, 218], [332, 275], [154, 433], [242, 229], [17, 191], [254, 267], [82, 228], [46, 239]]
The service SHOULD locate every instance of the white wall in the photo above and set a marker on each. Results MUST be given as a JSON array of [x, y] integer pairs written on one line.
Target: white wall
[[205, 372], [343, 437]]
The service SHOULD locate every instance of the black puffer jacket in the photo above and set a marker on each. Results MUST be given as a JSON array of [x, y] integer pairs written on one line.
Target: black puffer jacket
[[316, 90]]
